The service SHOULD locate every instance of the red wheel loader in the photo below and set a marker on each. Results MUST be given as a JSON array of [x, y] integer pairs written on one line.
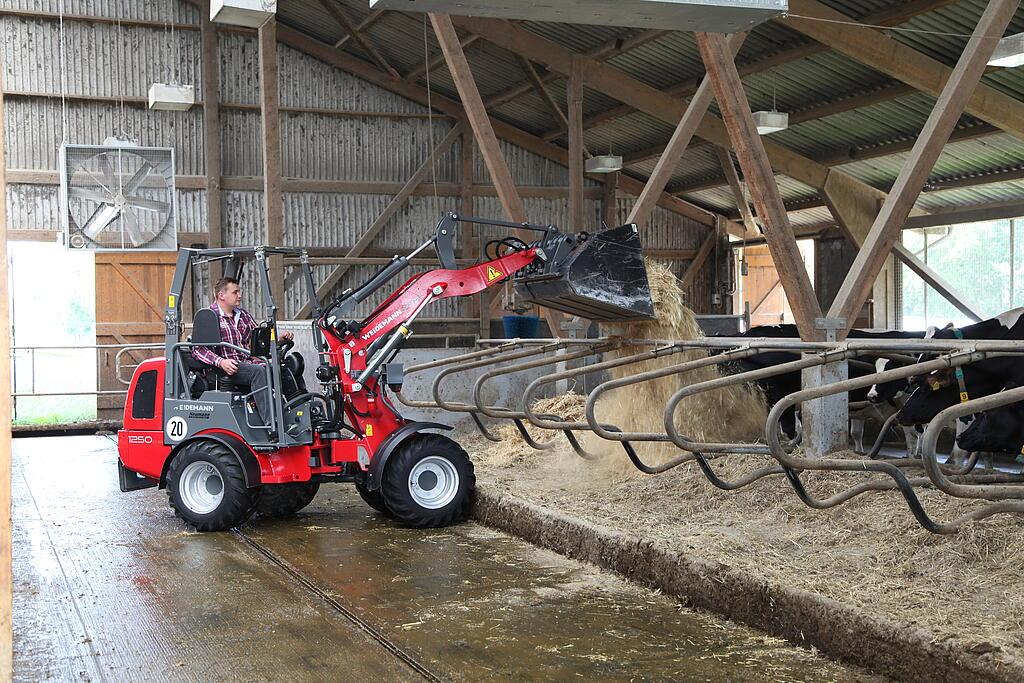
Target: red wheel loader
[[189, 430]]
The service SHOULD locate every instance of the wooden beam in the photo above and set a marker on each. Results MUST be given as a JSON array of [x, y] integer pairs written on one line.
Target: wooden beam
[[605, 51], [900, 61], [454, 109], [438, 60], [386, 215], [886, 228], [339, 16], [692, 270], [371, 19], [677, 144], [480, 122], [6, 584], [210, 64], [732, 101], [737, 192], [574, 120], [945, 289], [270, 119], [545, 94]]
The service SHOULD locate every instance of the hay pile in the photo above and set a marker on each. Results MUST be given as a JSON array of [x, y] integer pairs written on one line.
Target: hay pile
[[736, 413]]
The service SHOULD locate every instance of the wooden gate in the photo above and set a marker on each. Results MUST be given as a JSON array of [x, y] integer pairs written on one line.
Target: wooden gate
[[131, 293], [763, 290]]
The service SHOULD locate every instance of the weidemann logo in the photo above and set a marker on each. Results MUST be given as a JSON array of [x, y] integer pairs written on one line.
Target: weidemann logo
[[195, 406], [380, 326]]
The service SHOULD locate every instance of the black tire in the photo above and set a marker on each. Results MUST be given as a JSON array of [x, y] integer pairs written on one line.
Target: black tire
[[445, 456], [372, 498], [235, 505], [279, 501]]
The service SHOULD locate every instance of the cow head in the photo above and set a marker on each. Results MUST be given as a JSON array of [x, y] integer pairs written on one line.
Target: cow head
[[933, 393], [997, 431], [886, 392]]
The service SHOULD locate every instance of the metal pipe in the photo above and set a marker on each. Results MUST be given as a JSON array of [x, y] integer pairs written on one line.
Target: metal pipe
[[929, 442]]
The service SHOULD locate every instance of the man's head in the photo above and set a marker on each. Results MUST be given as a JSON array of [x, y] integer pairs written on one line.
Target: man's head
[[228, 294]]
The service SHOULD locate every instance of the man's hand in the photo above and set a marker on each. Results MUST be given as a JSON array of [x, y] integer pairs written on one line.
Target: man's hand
[[227, 365], [287, 335]]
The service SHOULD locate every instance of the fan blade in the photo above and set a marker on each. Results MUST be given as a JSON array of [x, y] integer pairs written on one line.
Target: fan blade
[[131, 226], [101, 218], [108, 173], [92, 195], [136, 181], [148, 204]]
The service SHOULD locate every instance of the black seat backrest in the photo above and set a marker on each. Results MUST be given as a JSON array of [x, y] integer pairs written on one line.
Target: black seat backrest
[[205, 327], [206, 330]]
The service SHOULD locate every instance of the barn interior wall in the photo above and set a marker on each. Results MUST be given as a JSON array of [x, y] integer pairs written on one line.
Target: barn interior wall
[[112, 61]]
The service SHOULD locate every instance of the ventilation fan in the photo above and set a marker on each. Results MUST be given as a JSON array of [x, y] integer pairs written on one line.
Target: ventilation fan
[[118, 196]]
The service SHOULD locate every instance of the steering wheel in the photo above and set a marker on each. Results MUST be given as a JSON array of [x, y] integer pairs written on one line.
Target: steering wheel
[[284, 346]]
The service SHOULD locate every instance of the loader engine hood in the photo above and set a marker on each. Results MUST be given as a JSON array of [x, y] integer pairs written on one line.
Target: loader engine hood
[[598, 276]]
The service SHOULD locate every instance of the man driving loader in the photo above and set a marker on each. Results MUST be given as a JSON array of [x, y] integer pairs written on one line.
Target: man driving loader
[[236, 327]]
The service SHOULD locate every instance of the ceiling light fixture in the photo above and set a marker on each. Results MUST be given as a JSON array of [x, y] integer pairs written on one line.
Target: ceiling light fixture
[[1009, 51]]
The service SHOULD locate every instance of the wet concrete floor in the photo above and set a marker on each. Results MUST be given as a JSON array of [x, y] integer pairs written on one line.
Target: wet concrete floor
[[111, 586]]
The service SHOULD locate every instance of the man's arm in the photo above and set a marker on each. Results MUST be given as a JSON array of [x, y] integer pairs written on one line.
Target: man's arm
[[204, 354]]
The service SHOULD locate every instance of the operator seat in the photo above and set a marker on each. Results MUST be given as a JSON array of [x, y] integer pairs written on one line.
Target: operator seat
[[206, 330]]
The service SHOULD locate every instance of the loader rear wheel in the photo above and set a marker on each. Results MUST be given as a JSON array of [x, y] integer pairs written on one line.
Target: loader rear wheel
[[372, 498], [207, 488], [428, 482], [279, 501]]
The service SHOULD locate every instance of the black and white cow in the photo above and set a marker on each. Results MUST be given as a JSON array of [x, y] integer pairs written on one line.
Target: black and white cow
[[996, 431], [779, 386], [941, 389]]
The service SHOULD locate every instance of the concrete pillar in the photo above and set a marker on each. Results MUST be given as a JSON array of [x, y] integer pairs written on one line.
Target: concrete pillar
[[825, 420]]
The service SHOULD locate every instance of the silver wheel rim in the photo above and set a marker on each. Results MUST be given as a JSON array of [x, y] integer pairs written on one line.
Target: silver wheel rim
[[201, 488], [433, 482]]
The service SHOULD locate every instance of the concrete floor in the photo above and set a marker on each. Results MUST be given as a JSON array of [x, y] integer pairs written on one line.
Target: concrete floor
[[110, 586]]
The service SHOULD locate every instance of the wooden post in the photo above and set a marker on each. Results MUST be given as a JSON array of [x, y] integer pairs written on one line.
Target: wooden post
[[886, 228], [211, 131], [470, 242], [6, 586], [509, 197], [272, 194], [574, 117], [739, 122], [678, 143], [737, 192], [609, 200]]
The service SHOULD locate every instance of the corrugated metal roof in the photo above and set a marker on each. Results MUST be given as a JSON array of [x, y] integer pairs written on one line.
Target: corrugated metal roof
[[672, 59]]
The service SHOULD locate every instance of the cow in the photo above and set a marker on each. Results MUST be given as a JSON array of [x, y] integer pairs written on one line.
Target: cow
[[943, 388], [1000, 430], [779, 386]]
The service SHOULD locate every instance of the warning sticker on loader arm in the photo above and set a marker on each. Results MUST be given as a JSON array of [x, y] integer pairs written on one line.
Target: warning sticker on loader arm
[[494, 274]]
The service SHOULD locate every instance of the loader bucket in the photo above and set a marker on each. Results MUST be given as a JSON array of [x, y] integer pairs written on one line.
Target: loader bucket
[[600, 277]]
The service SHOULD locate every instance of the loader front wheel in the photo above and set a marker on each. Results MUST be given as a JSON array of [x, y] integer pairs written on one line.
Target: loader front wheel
[[428, 482], [280, 501], [207, 488]]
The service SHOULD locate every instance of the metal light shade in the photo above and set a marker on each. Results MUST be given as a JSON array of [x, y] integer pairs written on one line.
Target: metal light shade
[[171, 97], [607, 163], [770, 121], [1009, 51], [250, 13], [712, 16]]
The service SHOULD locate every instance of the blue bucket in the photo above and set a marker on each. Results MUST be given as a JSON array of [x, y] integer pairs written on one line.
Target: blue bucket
[[520, 326]]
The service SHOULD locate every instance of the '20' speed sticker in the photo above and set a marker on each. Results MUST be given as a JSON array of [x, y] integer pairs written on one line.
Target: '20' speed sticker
[[176, 428]]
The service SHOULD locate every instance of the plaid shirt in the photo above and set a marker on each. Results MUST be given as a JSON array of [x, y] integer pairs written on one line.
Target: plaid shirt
[[235, 330]]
